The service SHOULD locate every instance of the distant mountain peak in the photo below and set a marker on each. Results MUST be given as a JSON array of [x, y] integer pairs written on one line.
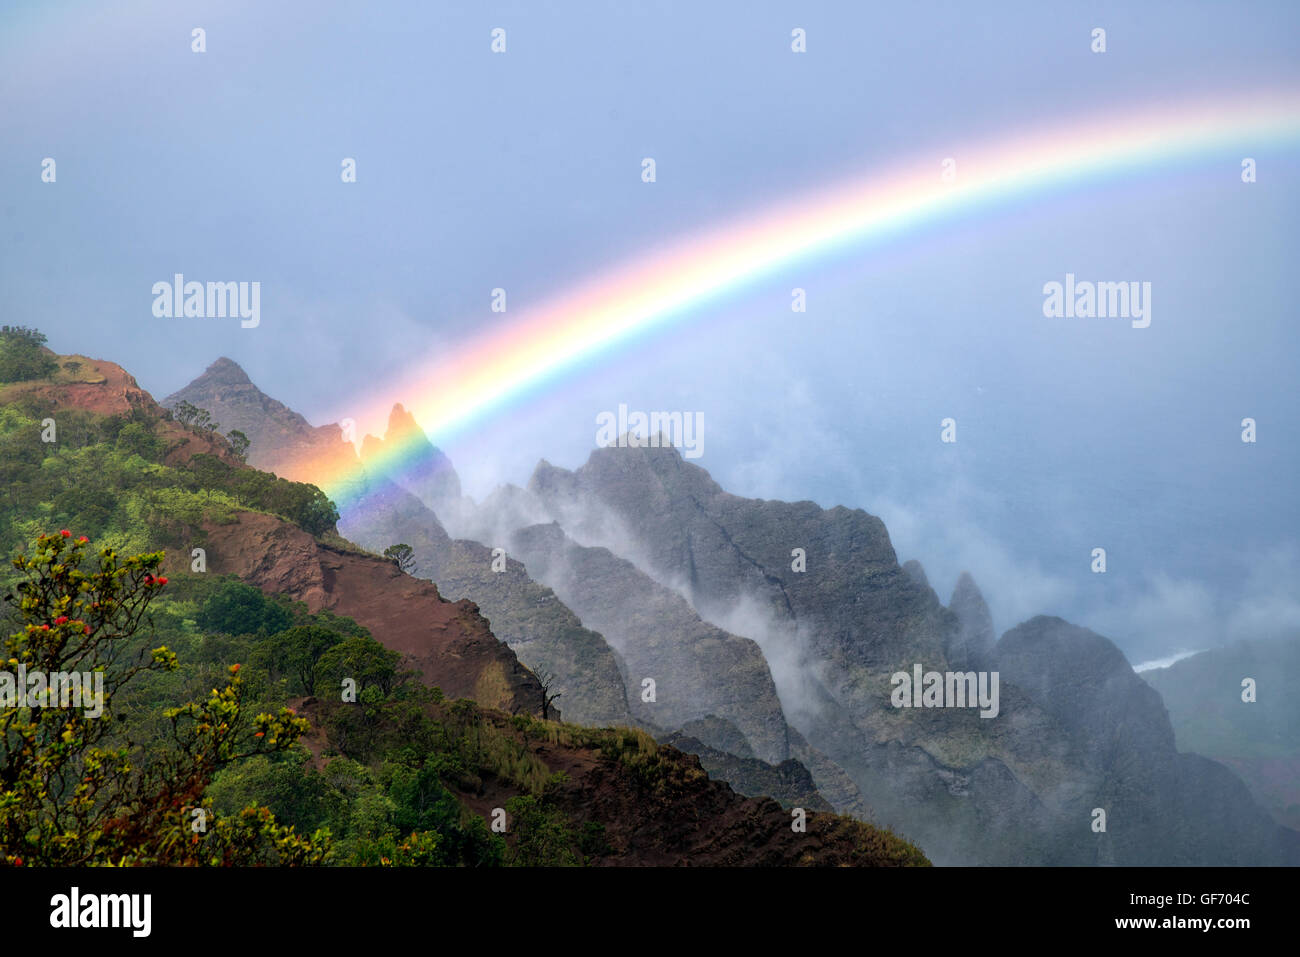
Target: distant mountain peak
[[402, 427], [278, 435], [974, 642], [916, 571], [427, 473], [228, 371]]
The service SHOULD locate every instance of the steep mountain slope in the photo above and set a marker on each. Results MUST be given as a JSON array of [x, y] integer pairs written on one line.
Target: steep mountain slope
[[1018, 787], [449, 642], [786, 621], [277, 435], [851, 615], [527, 616], [100, 388], [788, 782], [621, 799], [1257, 739], [973, 644], [661, 639], [632, 801], [425, 471]]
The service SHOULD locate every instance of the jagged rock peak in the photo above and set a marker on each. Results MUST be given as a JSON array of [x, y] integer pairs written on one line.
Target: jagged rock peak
[[916, 572], [973, 643], [227, 371]]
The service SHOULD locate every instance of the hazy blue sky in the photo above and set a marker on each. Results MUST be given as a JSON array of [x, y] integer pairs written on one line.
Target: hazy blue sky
[[522, 170]]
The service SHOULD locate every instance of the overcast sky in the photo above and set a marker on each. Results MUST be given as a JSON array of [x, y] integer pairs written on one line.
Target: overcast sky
[[522, 171]]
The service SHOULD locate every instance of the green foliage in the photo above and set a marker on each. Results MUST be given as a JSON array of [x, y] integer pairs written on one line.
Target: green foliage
[[22, 356], [299, 649], [542, 836], [239, 443], [298, 795], [105, 475], [403, 555], [592, 841], [362, 659], [303, 504], [238, 609], [73, 791], [193, 417], [138, 439]]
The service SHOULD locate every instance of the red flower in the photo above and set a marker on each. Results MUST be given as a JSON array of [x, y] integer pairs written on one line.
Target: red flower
[[61, 620], [18, 862], [234, 668], [86, 630], [83, 539], [65, 533], [45, 627], [162, 581], [259, 734]]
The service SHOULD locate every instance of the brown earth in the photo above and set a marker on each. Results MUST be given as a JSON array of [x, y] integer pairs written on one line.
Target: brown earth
[[105, 388], [450, 643], [672, 816]]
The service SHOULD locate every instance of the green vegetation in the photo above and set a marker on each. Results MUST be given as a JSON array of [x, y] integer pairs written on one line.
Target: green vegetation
[[384, 791], [23, 356], [239, 443], [238, 727], [402, 555], [74, 787], [107, 477], [193, 417]]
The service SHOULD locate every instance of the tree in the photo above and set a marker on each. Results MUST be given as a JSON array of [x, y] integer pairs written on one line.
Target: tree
[[239, 609], [364, 660], [547, 680], [239, 442], [403, 555], [299, 649], [543, 837], [72, 792], [193, 417], [141, 440], [23, 355]]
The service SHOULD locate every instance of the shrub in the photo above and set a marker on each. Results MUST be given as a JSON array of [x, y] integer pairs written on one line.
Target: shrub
[[22, 355]]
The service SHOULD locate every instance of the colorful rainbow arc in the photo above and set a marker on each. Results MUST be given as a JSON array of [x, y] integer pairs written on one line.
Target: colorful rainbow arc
[[455, 390]]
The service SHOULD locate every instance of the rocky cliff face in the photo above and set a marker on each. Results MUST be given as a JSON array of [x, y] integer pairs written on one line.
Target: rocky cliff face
[[773, 631], [825, 585], [1256, 738], [973, 642], [413, 461], [661, 640], [823, 593], [548, 638], [278, 436], [1160, 805], [540, 628], [449, 642], [524, 614]]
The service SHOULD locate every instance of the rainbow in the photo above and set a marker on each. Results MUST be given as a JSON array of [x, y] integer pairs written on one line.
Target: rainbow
[[669, 284]]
